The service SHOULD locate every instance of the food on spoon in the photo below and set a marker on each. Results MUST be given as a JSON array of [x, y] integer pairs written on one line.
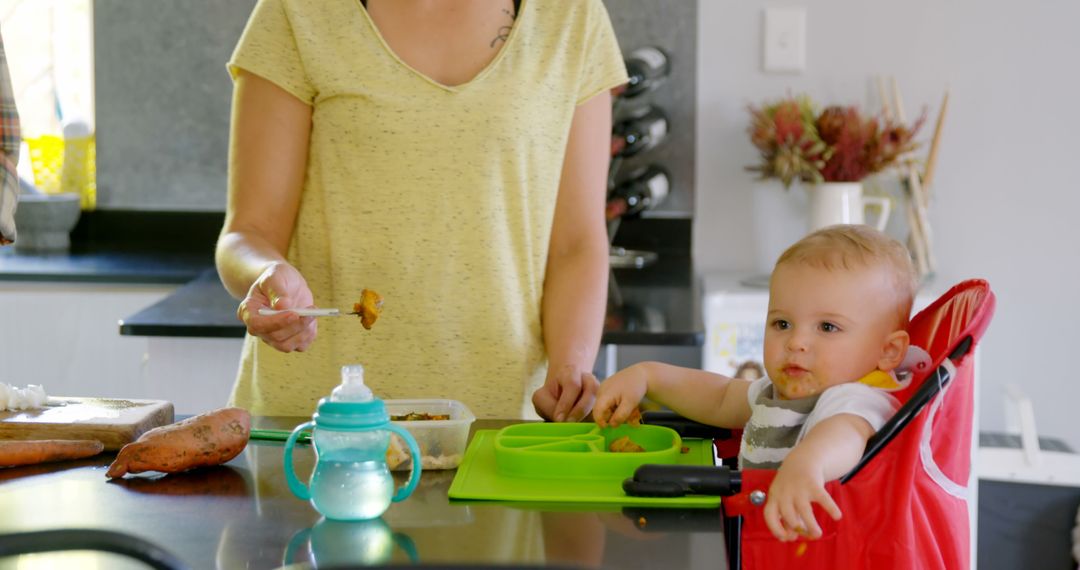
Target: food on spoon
[[368, 307], [29, 452], [13, 398], [625, 445], [200, 441]]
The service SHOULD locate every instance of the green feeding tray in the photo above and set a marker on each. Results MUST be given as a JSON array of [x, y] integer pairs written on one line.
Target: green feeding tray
[[589, 475], [580, 450]]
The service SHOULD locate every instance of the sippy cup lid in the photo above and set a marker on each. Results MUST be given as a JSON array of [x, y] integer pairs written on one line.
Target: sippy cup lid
[[352, 388], [351, 416], [351, 406]]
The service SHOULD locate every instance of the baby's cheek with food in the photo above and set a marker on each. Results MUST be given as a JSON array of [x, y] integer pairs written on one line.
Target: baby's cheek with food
[[794, 388]]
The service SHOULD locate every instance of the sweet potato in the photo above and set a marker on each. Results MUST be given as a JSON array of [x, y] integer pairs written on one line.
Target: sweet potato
[[200, 441], [625, 445], [368, 307], [33, 451]]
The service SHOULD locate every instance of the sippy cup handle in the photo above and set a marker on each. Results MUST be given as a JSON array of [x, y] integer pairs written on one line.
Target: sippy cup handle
[[294, 544], [407, 545], [299, 489], [414, 477]]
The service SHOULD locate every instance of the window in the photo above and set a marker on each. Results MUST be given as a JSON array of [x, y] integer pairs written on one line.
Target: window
[[49, 50]]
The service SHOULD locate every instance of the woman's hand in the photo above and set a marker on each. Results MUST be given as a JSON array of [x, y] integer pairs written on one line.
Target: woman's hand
[[567, 394], [280, 286], [619, 395]]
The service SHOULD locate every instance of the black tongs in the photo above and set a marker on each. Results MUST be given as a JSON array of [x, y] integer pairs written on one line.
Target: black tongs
[[679, 480]]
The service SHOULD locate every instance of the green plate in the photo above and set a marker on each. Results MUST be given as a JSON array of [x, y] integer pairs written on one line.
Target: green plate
[[580, 450], [478, 478]]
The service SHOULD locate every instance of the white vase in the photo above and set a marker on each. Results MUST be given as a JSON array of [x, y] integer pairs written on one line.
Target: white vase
[[843, 203], [779, 216]]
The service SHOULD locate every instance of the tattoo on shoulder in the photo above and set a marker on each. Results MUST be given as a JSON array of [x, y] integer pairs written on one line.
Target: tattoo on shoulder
[[504, 31]]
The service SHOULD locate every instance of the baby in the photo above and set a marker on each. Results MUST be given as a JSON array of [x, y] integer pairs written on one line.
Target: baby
[[839, 302]]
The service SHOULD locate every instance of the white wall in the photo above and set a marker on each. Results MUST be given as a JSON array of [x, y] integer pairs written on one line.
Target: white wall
[[1006, 195]]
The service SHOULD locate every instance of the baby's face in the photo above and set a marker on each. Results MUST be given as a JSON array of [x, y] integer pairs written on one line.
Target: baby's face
[[825, 327]]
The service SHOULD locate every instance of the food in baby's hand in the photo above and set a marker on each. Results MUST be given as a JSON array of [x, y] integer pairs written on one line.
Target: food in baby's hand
[[200, 441], [625, 445], [368, 307], [29, 452]]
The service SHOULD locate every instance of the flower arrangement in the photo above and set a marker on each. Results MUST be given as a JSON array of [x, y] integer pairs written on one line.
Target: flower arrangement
[[838, 144]]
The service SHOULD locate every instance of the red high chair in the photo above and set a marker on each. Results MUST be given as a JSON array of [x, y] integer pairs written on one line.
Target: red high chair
[[905, 505]]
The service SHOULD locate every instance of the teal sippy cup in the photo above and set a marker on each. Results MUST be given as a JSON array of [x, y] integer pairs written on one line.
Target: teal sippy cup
[[351, 433]]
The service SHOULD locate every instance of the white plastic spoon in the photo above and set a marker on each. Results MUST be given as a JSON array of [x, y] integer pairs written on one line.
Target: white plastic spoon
[[303, 312]]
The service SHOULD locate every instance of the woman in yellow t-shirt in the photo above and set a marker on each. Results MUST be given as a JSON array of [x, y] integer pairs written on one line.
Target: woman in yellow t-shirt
[[450, 155]]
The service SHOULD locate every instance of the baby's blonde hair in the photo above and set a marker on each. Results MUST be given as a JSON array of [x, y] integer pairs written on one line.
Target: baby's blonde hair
[[859, 246]]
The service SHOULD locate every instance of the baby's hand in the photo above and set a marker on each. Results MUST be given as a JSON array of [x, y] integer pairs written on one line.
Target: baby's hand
[[789, 510], [618, 397]]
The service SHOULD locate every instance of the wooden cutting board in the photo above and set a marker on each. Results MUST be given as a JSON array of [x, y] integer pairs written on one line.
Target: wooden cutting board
[[113, 422]]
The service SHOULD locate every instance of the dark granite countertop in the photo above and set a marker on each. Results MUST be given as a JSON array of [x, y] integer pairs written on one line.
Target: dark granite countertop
[[104, 265], [242, 515], [123, 247], [656, 305]]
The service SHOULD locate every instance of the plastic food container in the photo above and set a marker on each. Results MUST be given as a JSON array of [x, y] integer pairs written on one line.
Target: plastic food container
[[442, 442]]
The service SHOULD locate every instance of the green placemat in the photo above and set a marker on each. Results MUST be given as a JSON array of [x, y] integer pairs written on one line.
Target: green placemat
[[478, 479]]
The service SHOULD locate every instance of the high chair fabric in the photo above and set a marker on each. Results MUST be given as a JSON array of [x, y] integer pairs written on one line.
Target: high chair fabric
[[906, 505]]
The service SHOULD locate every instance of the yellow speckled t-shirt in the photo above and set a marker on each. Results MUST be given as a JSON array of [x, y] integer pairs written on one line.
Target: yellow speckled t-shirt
[[440, 198]]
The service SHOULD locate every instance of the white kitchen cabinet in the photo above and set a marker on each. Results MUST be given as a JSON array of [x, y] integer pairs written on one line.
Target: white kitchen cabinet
[[65, 336], [195, 374]]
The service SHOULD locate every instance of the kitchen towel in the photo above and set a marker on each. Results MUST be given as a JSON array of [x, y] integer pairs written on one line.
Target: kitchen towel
[[9, 153]]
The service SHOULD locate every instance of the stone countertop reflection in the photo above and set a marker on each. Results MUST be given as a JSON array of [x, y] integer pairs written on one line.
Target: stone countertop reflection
[[242, 515]]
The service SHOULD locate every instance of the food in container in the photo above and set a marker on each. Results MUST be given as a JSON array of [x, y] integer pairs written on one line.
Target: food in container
[[442, 441]]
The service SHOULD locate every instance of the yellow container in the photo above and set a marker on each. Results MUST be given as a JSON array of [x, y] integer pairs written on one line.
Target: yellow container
[[61, 165]]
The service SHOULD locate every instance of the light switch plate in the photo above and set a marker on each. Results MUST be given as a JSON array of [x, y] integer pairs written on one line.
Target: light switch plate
[[784, 44]]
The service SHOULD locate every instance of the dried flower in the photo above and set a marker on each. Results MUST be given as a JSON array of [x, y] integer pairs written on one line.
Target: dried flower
[[787, 137], [837, 145]]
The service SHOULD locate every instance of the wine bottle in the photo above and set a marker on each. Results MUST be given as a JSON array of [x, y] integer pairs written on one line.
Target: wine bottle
[[639, 133], [642, 191], [647, 67]]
